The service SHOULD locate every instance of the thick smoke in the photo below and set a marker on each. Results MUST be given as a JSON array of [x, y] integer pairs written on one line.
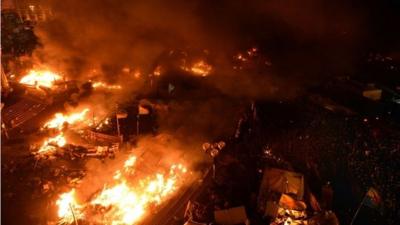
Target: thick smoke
[[302, 37], [154, 155], [306, 41]]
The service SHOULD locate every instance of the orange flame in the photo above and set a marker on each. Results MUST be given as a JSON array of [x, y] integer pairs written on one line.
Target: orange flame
[[50, 144], [68, 209], [102, 85], [40, 78], [127, 203], [200, 68], [60, 119]]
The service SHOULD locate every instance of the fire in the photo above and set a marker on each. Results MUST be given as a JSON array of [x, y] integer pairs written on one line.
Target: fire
[[130, 163], [98, 85], [128, 204], [128, 200], [200, 68], [40, 78], [50, 144], [60, 119], [157, 71], [69, 210]]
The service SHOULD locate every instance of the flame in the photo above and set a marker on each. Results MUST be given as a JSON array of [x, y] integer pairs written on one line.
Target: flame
[[40, 78], [200, 68], [137, 74], [99, 85], [130, 163], [50, 144], [128, 204], [68, 209], [157, 71], [128, 201], [60, 119]]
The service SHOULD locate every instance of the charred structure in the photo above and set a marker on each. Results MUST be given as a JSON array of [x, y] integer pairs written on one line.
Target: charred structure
[[200, 112]]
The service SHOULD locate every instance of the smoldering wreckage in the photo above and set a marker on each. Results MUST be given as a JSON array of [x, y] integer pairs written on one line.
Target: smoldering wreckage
[[144, 184]]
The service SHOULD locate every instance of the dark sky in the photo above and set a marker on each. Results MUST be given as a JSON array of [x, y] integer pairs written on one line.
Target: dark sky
[[306, 39]]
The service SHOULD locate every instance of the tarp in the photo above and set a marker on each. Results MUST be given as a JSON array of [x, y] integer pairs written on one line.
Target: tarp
[[283, 181], [288, 202], [232, 216], [373, 94]]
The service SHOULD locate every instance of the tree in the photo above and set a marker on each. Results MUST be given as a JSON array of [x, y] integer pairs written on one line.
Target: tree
[[17, 36]]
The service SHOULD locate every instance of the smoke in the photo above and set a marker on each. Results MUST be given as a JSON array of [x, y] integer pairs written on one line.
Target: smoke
[[306, 42], [304, 39], [154, 155]]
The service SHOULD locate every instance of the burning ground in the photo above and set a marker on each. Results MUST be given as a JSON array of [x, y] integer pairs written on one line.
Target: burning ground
[[173, 75]]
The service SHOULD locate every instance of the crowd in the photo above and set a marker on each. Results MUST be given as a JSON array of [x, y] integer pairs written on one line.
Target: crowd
[[352, 154]]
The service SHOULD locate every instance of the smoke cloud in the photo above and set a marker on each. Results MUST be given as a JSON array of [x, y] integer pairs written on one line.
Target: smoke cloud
[[306, 42]]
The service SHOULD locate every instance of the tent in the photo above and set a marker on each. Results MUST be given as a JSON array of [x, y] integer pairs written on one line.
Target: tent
[[276, 182], [283, 181]]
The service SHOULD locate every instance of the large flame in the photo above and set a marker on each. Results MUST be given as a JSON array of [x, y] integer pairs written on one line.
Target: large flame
[[69, 210], [128, 202], [40, 78], [50, 144], [60, 119]]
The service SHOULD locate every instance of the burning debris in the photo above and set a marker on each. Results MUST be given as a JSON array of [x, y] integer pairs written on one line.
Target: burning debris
[[200, 68], [60, 120], [102, 85], [128, 199], [68, 209], [39, 78]]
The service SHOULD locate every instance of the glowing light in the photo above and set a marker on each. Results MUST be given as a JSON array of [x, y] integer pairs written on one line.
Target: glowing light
[[50, 144], [200, 68], [128, 204], [68, 209], [60, 119], [102, 85], [137, 74], [127, 201], [157, 71], [130, 162], [40, 78]]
